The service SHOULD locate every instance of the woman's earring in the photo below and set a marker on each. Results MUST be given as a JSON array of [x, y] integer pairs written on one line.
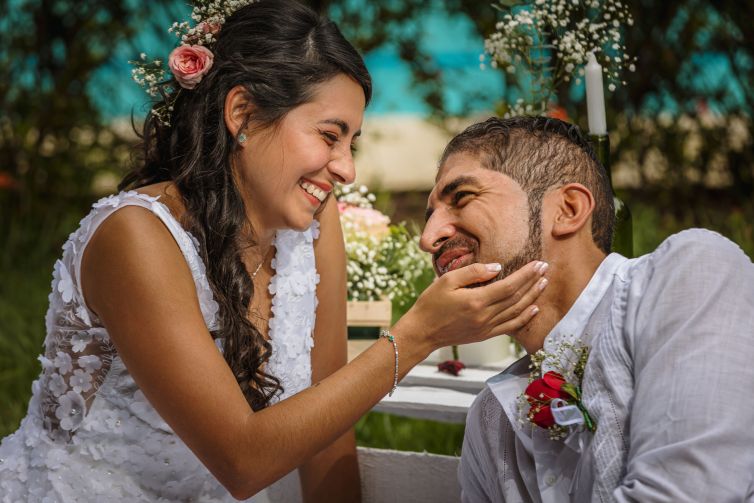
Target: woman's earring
[[242, 138]]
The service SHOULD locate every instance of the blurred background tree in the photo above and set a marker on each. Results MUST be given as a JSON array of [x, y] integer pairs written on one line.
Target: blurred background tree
[[55, 149], [694, 74], [53, 140], [681, 126]]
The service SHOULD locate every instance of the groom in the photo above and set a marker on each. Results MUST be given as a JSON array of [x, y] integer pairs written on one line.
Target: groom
[[668, 378]]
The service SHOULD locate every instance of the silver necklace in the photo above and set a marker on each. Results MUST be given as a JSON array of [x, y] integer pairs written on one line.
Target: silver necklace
[[264, 259], [254, 274]]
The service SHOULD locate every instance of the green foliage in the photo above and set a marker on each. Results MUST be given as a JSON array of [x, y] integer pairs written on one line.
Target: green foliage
[[674, 42], [52, 139], [657, 215], [676, 50], [385, 431], [31, 244]]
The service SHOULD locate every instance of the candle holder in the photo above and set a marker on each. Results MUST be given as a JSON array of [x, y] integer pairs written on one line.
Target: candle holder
[[623, 236]]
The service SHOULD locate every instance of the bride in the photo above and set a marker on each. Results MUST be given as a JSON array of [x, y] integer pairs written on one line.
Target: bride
[[196, 335]]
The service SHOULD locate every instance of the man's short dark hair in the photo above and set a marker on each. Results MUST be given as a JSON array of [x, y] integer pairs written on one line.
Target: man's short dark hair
[[540, 153]]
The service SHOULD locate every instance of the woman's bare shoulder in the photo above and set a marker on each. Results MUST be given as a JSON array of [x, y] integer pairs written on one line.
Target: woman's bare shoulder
[[132, 250], [169, 196]]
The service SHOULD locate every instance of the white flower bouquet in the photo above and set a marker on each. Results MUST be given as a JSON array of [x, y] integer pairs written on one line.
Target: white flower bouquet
[[384, 259]]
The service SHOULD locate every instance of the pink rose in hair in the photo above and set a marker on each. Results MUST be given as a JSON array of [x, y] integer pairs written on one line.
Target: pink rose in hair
[[189, 63]]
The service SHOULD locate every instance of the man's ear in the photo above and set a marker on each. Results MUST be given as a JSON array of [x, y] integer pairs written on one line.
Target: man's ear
[[237, 108], [574, 205]]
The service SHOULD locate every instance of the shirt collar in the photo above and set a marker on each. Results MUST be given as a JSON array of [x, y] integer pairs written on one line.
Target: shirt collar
[[571, 326]]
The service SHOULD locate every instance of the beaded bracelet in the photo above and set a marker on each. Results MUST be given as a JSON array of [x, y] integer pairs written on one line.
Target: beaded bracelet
[[386, 334]]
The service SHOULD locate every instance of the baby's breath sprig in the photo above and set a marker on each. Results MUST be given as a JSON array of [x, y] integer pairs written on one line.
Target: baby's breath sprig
[[208, 17], [148, 73], [152, 77], [547, 42], [568, 359], [355, 196]]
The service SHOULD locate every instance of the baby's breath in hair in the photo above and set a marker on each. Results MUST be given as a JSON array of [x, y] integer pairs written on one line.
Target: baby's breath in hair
[[208, 17], [148, 74]]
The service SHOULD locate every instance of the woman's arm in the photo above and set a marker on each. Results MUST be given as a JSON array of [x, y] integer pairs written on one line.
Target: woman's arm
[[333, 473], [137, 281]]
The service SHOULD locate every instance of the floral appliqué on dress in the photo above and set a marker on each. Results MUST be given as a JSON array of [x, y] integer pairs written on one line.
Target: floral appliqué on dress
[[90, 434]]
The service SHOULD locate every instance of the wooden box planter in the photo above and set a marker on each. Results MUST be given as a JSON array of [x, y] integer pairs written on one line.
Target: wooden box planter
[[369, 313], [366, 313]]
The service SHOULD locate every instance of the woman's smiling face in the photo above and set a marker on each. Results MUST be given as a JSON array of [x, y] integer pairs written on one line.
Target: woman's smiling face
[[286, 172]]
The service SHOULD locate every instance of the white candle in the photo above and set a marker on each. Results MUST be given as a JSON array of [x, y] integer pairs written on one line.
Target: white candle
[[595, 97]]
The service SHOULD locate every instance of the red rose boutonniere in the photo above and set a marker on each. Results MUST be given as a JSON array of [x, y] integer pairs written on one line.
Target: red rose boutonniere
[[551, 397], [551, 401]]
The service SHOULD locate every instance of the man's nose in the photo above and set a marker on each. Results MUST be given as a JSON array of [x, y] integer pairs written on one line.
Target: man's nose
[[436, 231]]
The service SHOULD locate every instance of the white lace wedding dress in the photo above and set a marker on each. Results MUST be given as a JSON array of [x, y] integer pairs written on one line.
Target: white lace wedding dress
[[90, 434]]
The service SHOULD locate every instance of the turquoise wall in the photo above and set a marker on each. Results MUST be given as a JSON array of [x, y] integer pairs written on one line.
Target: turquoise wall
[[452, 43]]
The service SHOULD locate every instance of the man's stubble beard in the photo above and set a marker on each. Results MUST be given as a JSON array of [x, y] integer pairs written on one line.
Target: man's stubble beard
[[532, 250]]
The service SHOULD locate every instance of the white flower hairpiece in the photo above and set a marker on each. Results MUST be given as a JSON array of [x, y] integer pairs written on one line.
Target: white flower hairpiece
[[191, 60]]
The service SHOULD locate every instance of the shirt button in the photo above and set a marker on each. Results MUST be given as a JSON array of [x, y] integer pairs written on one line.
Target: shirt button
[[550, 480]]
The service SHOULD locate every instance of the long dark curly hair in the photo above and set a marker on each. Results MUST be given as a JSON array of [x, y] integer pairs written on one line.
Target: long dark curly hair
[[279, 51]]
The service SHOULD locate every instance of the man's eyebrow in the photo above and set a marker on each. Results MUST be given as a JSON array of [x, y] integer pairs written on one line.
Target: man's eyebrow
[[449, 188], [344, 129]]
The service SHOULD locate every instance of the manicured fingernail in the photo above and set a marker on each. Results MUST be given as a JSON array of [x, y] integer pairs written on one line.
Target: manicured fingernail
[[543, 268], [494, 267], [534, 310], [542, 283]]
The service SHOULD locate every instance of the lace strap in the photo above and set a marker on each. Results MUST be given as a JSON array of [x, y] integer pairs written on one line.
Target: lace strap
[[106, 207]]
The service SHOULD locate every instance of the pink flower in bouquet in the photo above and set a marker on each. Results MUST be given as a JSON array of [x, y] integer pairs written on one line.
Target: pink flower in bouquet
[[189, 64], [368, 220]]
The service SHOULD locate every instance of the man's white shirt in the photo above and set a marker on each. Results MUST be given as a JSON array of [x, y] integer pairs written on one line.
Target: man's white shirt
[[669, 382]]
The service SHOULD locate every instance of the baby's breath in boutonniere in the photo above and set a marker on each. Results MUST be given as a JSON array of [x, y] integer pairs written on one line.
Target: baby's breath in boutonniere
[[552, 400]]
